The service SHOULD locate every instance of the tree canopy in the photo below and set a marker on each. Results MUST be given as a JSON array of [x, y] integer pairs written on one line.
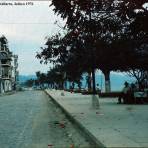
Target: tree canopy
[[109, 35], [118, 29]]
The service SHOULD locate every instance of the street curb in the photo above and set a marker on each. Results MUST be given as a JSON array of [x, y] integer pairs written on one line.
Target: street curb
[[8, 93], [91, 138]]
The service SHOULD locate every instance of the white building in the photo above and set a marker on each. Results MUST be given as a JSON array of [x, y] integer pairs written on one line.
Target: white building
[[15, 72], [8, 70]]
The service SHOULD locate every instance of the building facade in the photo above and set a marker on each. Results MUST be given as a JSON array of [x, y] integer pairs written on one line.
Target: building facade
[[8, 69], [15, 73]]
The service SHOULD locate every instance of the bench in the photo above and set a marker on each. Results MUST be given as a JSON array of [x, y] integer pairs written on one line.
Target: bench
[[141, 96]]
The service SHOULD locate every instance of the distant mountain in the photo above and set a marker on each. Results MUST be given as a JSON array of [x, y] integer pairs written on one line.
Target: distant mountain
[[23, 78]]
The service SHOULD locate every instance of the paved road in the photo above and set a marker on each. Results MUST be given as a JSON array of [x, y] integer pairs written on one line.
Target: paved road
[[30, 120]]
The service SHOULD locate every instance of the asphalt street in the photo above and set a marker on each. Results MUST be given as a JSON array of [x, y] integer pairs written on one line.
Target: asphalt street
[[29, 119]]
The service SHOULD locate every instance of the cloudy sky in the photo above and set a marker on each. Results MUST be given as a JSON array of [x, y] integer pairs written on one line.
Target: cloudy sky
[[26, 27]]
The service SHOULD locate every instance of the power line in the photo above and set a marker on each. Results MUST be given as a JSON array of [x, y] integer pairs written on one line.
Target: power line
[[25, 23], [25, 0]]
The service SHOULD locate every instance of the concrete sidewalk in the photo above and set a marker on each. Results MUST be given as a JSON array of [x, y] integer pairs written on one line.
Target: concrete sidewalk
[[113, 125]]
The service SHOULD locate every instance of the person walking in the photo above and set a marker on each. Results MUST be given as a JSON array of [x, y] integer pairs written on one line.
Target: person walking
[[124, 94]]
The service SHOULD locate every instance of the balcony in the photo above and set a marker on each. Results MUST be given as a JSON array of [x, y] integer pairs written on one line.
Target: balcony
[[3, 51], [5, 65], [6, 77], [4, 48], [6, 72], [5, 55]]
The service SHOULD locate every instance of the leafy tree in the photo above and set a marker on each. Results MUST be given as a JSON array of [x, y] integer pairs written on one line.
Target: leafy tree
[[141, 77], [101, 34], [83, 25], [105, 25], [56, 52], [41, 78], [29, 83]]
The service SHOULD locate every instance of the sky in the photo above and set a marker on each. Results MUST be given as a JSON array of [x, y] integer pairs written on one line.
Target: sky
[[26, 27]]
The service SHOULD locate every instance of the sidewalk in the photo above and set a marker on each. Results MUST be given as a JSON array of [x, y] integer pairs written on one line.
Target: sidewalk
[[113, 125]]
